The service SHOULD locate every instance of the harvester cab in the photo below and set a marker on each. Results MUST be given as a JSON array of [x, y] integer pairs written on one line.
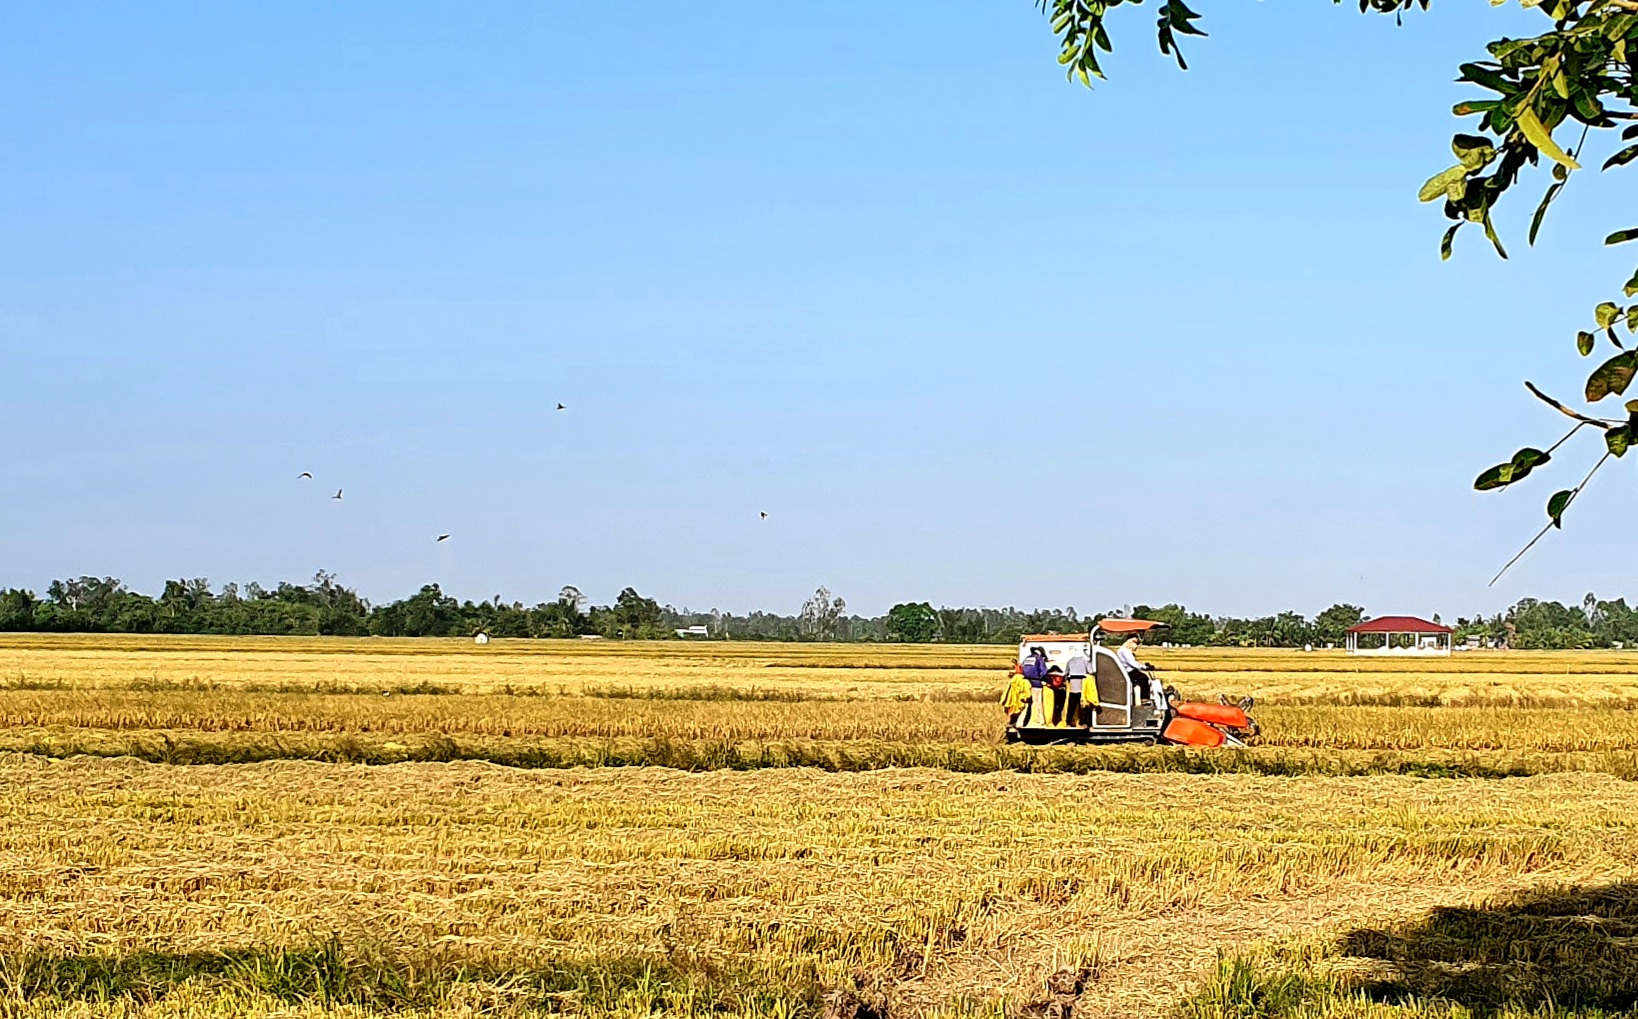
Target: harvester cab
[[1080, 693]]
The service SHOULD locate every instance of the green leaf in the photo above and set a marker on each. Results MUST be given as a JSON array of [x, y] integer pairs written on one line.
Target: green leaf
[[1588, 109], [1516, 469], [1490, 232], [1474, 151], [1631, 288], [1450, 236], [1555, 506], [1527, 459], [1622, 236], [1540, 137], [1632, 318], [1632, 406], [1495, 477], [1606, 314], [1541, 210], [1623, 157], [1470, 107], [1618, 439], [1438, 185], [1584, 343], [1182, 18], [1486, 77], [1613, 376]]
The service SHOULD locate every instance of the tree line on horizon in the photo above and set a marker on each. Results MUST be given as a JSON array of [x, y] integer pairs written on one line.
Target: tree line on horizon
[[325, 607]]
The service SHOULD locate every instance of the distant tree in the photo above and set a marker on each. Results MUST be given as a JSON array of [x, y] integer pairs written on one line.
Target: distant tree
[[1548, 624], [85, 594], [632, 617], [912, 622], [184, 606], [342, 612], [1183, 626], [820, 615], [427, 613], [95, 604], [1057, 621], [1331, 626], [17, 610], [1615, 622], [1284, 629], [1290, 629], [561, 618], [966, 626]]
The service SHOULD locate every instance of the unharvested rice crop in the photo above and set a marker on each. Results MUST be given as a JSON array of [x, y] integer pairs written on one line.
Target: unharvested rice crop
[[801, 671], [216, 827]]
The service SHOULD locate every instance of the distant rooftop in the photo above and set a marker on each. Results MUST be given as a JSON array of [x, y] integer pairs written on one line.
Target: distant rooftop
[[1398, 624]]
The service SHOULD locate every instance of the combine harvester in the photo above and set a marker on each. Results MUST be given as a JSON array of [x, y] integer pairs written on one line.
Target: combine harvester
[[1111, 708]]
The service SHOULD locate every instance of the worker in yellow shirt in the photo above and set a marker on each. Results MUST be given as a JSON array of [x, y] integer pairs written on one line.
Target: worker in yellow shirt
[[1016, 700]]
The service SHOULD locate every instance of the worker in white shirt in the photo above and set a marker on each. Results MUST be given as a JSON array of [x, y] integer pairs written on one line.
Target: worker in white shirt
[[1138, 671]]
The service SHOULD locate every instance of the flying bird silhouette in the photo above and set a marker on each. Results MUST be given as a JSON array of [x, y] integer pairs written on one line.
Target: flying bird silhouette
[[561, 407], [306, 474], [764, 516], [337, 495], [443, 537]]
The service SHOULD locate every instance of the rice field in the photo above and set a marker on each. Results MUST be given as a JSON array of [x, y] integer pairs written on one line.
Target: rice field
[[214, 827]]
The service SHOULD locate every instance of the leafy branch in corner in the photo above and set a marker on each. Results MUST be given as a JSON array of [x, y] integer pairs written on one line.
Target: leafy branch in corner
[[1580, 71]]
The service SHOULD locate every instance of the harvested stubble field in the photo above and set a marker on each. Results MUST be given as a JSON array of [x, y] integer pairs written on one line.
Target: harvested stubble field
[[264, 826]]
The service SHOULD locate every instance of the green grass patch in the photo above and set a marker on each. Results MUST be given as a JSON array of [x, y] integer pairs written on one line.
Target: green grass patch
[[331, 973]]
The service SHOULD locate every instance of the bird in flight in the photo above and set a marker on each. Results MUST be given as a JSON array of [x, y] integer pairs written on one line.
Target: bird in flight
[[337, 495], [443, 537], [306, 474], [764, 515], [561, 407]]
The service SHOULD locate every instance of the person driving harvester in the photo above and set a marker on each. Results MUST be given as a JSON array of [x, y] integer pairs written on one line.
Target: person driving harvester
[[1139, 672]]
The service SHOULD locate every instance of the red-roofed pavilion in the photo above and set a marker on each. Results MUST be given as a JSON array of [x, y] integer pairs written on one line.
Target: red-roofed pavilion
[[1423, 637]]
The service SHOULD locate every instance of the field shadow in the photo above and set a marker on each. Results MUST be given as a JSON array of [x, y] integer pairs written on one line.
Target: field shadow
[[1562, 950]]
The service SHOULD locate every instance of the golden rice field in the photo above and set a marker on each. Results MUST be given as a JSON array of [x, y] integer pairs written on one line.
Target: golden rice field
[[211, 827]]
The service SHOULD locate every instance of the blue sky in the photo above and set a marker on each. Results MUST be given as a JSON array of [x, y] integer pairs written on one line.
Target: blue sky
[[966, 332]]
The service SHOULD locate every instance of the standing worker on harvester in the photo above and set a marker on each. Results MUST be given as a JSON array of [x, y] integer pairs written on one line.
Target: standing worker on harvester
[[1080, 711]]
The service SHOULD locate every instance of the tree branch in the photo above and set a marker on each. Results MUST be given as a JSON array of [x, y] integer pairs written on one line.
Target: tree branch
[[1550, 524], [1584, 419]]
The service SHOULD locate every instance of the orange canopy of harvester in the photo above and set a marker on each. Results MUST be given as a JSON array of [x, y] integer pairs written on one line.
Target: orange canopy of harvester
[[1127, 625]]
